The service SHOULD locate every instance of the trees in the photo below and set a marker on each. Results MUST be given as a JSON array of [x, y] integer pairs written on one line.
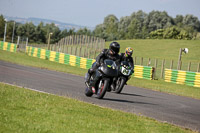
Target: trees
[[84, 31], [52, 28], [111, 27], [21, 30], [27, 30], [159, 20], [191, 21], [39, 35], [99, 31], [139, 25], [173, 32], [156, 24], [123, 27], [178, 20], [10, 26], [64, 33], [2, 25], [134, 29], [157, 34]]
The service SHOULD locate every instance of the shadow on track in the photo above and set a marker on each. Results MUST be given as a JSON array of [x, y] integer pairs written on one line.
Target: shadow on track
[[135, 95], [127, 94], [127, 101]]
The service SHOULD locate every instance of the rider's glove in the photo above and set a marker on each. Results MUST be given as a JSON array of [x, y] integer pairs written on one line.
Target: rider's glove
[[132, 71], [97, 63]]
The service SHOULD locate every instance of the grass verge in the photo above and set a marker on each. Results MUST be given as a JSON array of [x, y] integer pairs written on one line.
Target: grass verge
[[23, 59], [157, 85], [23, 110]]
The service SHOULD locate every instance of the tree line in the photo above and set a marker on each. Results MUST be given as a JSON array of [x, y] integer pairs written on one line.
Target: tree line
[[37, 34], [139, 25], [155, 25]]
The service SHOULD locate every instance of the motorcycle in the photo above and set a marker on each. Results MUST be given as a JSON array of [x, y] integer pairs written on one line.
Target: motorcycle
[[102, 78], [125, 72]]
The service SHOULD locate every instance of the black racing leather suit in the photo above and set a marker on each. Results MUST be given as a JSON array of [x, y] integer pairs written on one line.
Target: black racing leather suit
[[105, 54]]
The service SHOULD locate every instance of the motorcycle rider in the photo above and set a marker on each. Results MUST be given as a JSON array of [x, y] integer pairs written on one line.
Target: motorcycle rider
[[111, 53], [127, 56]]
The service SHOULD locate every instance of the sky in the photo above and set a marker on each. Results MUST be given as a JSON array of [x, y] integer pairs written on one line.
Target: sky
[[92, 12]]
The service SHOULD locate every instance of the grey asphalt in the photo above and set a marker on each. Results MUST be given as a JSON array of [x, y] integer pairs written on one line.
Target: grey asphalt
[[178, 110]]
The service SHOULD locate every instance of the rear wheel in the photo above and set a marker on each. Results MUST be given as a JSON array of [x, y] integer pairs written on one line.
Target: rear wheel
[[102, 87], [120, 85]]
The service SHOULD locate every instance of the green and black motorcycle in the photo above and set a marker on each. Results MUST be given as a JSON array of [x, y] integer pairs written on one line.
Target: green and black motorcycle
[[125, 72]]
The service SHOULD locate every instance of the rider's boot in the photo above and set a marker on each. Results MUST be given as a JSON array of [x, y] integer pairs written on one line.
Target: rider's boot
[[113, 85], [89, 75]]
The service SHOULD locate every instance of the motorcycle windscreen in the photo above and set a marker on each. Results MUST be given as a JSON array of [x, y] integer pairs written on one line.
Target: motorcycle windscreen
[[109, 68]]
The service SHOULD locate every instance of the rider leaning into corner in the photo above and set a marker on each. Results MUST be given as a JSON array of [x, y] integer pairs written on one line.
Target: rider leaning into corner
[[111, 53], [127, 56]]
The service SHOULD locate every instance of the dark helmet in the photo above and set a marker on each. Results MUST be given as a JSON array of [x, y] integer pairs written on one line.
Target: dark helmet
[[114, 47]]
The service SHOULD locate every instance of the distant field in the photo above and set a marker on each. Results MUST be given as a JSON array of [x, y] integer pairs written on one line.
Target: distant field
[[163, 49]]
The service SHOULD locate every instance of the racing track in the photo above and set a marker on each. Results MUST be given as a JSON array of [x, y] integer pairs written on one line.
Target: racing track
[[178, 110]]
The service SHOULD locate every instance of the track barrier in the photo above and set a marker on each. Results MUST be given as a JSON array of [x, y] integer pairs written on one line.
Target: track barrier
[[182, 77], [144, 72], [85, 63], [60, 57], [11, 47]]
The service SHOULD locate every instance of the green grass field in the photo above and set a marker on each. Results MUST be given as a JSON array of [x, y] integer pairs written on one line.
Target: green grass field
[[23, 59], [23, 110], [163, 49]]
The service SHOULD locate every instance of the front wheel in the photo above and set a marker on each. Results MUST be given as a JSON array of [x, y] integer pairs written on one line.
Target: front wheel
[[120, 84], [102, 87], [88, 92]]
